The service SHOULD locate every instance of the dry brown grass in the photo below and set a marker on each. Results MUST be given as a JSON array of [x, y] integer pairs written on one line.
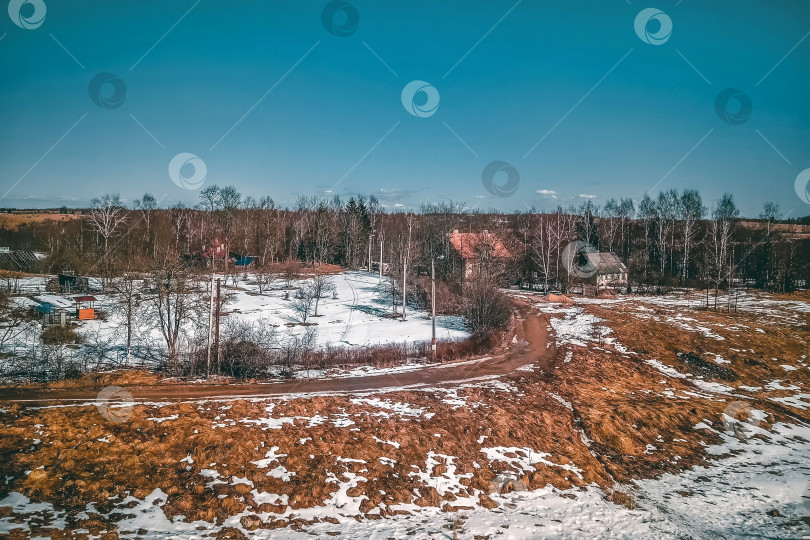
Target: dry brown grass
[[141, 455], [124, 377], [12, 221], [619, 403], [752, 352]]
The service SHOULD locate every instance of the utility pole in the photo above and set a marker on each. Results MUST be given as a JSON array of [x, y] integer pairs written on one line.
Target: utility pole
[[433, 305], [463, 264], [381, 256], [405, 268], [369, 252], [404, 285], [210, 322], [217, 332]]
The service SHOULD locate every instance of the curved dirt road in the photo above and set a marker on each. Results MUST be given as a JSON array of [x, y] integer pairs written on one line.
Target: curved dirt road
[[533, 345]]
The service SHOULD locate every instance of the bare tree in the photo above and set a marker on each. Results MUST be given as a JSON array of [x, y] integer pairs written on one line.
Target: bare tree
[[290, 272], [175, 304], [229, 201], [320, 285], [12, 319], [647, 213], [665, 213], [626, 212], [128, 290], [303, 301], [263, 277], [610, 224], [770, 213], [691, 213], [545, 239], [107, 215], [721, 228], [147, 206]]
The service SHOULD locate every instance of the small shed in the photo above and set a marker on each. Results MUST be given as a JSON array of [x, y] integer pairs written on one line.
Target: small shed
[[242, 261], [85, 307], [70, 283], [51, 313]]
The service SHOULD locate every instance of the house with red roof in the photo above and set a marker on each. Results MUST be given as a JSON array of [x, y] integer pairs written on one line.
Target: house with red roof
[[480, 252]]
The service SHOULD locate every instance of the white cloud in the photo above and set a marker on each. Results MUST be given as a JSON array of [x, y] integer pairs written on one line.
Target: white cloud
[[547, 193], [586, 196]]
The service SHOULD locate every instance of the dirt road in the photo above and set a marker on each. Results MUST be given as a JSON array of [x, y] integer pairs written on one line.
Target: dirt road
[[532, 344]]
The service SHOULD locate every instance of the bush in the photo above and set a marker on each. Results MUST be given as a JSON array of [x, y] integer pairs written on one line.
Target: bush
[[448, 301], [61, 335], [486, 308], [240, 358]]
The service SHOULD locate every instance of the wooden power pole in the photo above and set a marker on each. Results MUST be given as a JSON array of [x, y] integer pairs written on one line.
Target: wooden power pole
[[216, 339], [210, 323], [433, 305]]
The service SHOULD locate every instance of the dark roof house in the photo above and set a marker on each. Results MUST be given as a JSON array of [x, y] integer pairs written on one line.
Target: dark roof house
[[610, 270], [606, 263]]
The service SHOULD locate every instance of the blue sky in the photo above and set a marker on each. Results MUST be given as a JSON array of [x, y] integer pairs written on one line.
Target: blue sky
[[617, 116]]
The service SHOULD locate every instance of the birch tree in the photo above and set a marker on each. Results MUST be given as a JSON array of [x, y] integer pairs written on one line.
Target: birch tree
[[691, 213], [107, 216]]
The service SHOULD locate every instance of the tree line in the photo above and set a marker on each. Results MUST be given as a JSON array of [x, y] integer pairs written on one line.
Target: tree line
[[673, 239]]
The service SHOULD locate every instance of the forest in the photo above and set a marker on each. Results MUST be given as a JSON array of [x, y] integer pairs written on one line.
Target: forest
[[674, 239]]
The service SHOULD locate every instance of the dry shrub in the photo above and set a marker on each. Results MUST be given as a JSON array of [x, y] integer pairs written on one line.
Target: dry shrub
[[448, 300], [558, 299], [124, 377], [61, 335], [622, 499]]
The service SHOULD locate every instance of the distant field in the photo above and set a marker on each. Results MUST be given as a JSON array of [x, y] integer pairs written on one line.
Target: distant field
[[15, 220]]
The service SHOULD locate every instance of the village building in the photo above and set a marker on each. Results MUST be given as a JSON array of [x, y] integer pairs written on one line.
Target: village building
[[482, 252], [611, 272], [69, 283], [20, 260]]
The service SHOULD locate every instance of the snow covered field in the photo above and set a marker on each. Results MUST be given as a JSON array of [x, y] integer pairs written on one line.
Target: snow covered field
[[357, 314]]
